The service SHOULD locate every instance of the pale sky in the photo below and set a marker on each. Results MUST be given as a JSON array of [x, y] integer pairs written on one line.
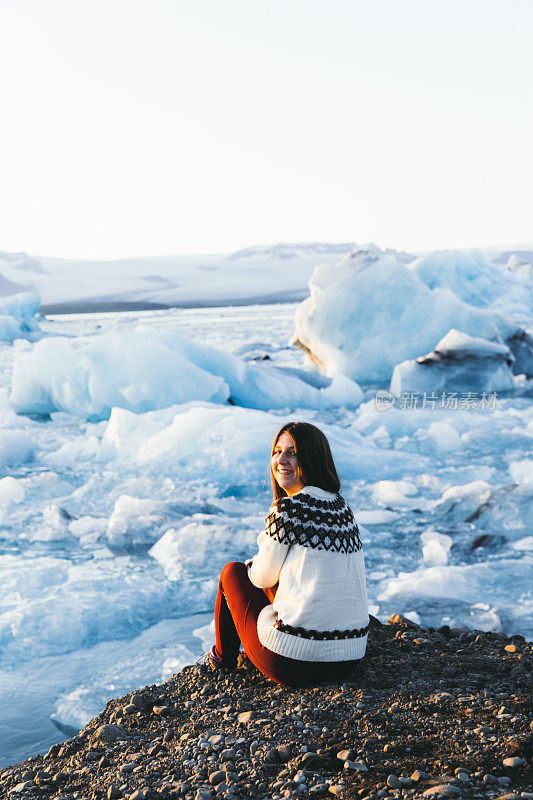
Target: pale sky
[[154, 127]]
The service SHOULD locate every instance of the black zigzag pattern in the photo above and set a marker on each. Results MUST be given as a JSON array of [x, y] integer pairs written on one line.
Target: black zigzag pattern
[[312, 522], [305, 633]]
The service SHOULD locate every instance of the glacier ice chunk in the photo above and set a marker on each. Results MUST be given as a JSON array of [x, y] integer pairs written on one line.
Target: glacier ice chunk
[[115, 369], [370, 312], [202, 546], [11, 490], [16, 447], [264, 386], [17, 317], [143, 369], [435, 547], [475, 280], [459, 363], [134, 521]]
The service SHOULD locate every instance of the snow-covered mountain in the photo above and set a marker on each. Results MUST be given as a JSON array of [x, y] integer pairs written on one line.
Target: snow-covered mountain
[[260, 274]]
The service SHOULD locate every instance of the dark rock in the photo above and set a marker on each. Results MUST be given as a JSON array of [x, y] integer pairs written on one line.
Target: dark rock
[[284, 752]]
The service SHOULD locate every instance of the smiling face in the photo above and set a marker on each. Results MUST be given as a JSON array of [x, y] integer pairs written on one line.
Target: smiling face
[[284, 465]]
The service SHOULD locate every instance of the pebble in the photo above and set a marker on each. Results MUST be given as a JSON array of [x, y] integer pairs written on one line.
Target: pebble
[[343, 755], [113, 792], [482, 729], [245, 716], [110, 733], [442, 790], [312, 760], [203, 794], [217, 777], [126, 769], [138, 702], [337, 789], [418, 775], [318, 789], [284, 752], [355, 766], [393, 782], [513, 761], [138, 794]]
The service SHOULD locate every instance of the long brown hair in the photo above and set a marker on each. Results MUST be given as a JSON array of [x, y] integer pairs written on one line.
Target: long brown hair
[[315, 462]]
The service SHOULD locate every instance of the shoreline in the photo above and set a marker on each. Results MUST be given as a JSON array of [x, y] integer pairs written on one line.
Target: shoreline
[[115, 306], [430, 713]]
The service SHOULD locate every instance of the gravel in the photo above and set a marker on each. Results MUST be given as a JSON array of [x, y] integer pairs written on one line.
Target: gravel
[[416, 719]]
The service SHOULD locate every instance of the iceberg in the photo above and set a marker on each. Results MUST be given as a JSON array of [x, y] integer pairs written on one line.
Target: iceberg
[[371, 312], [459, 363], [264, 386], [475, 280], [114, 369], [17, 317], [143, 370], [8, 287]]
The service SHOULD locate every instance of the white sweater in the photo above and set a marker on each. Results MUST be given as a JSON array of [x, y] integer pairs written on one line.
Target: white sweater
[[311, 548]]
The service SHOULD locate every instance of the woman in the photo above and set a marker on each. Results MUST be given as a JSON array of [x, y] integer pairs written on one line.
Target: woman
[[299, 607]]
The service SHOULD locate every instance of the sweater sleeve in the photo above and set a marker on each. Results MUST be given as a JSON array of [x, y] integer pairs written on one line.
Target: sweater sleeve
[[273, 548]]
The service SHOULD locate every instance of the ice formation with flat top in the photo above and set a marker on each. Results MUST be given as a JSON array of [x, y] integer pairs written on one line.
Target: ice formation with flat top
[[459, 363]]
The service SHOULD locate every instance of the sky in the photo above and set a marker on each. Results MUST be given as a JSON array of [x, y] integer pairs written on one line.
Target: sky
[[157, 127]]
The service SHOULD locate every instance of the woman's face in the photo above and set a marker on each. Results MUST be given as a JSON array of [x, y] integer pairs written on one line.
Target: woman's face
[[284, 464]]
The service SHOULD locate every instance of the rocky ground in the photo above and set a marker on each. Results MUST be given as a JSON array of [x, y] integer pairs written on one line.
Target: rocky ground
[[437, 714]]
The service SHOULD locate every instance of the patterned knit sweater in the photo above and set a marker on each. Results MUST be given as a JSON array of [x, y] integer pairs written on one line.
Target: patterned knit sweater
[[311, 548]]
